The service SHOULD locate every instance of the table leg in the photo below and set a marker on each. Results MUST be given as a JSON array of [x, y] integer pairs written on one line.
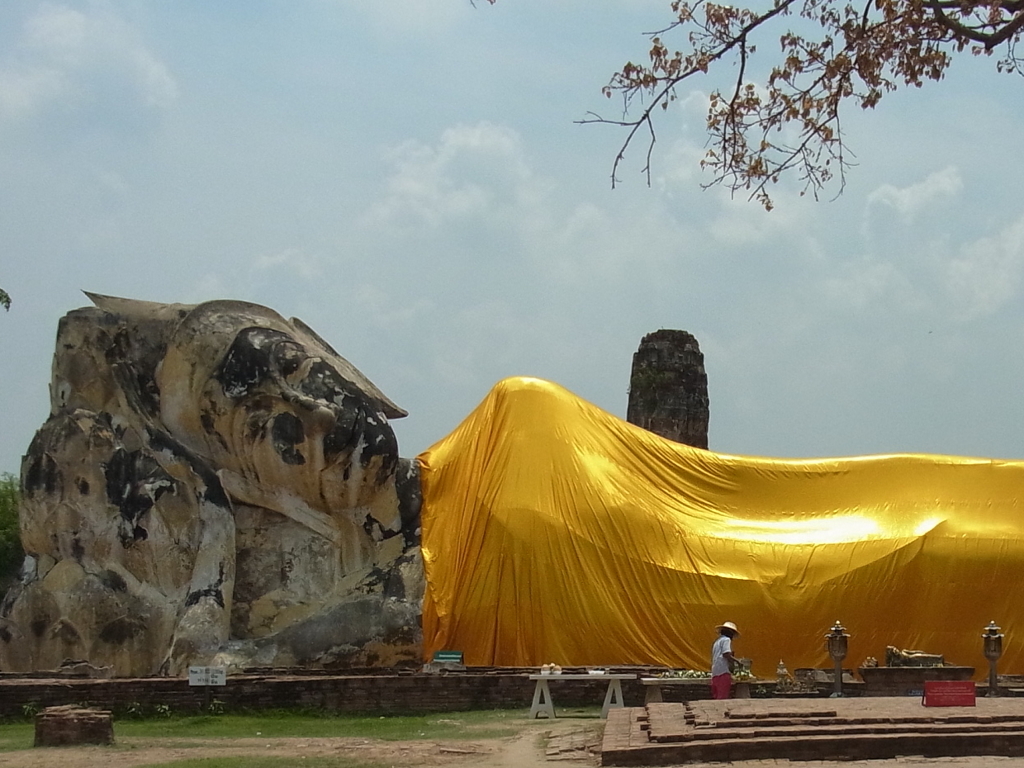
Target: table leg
[[613, 698], [542, 701], [653, 694]]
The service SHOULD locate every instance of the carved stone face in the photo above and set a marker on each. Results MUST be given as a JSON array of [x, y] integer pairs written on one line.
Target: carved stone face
[[297, 419], [269, 401]]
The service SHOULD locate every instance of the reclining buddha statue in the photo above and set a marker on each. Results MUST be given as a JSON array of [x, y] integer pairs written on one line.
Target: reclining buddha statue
[[215, 484]]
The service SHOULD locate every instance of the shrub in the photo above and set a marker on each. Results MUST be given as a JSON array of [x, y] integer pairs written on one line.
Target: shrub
[[11, 553]]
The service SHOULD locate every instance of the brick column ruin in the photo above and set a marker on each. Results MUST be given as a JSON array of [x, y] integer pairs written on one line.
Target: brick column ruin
[[668, 388]]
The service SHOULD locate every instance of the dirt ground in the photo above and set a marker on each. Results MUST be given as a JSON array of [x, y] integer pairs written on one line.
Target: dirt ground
[[570, 742], [561, 743]]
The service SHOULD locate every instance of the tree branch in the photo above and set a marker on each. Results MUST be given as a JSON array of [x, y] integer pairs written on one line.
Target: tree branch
[[791, 123], [670, 83], [988, 39]]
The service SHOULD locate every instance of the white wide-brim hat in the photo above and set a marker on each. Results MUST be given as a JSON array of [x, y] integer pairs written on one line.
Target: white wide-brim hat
[[728, 625]]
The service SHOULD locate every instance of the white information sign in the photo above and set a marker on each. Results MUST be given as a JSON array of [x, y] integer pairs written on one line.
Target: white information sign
[[207, 676]]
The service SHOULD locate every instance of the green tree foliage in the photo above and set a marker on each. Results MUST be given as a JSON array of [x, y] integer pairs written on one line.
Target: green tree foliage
[[5, 299], [11, 553], [778, 112]]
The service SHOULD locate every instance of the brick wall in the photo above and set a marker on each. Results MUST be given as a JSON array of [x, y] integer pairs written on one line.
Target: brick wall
[[383, 692]]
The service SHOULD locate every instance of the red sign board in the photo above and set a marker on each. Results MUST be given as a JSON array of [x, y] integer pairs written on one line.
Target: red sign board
[[949, 693]]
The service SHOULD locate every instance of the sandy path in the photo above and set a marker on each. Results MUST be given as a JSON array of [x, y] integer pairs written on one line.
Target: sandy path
[[526, 749]]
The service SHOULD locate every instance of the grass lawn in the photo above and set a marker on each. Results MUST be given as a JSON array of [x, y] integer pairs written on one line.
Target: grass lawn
[[484, 724], [16, 736]]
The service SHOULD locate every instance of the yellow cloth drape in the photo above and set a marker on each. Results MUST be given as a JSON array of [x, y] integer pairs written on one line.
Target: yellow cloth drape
[[556, 532]]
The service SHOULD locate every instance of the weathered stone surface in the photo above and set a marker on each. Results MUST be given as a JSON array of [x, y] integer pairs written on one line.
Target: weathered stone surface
[[67, 725], [668, 388], [83, 669], [215, 484]]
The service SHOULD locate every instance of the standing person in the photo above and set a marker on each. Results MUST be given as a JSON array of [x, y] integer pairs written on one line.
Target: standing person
[[722, 661]]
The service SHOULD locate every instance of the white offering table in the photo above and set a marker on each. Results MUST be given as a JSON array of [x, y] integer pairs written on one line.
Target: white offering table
[[542, 703]]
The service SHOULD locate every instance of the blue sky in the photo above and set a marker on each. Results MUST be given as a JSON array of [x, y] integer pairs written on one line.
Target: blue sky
[[406, 176]]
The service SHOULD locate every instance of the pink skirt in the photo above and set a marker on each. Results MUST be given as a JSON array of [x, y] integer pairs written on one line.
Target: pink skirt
[[721, 686]]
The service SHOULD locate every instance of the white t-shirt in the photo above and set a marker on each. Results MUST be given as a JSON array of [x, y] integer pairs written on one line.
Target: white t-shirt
[[719, 664]]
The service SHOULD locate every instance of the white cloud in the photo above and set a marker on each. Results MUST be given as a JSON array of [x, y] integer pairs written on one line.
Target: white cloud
[[474, 168], [156, 84], [59, 33], [68, 57], [679, 170], [390, 309], [477, 185], [988, 273], [911, 200], [204, 288], [23, 90], [291, 261], [867, 284], [410, 18], [740, 222], [491, 331]]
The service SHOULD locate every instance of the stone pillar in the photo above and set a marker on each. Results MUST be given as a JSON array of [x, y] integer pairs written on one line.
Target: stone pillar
[[668, 388]]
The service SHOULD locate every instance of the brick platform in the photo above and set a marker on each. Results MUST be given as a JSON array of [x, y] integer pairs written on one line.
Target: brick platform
[[71, 725], [810, 729]]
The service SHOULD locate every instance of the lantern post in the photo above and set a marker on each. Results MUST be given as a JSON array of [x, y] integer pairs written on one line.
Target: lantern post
[[993, 641], [837, 643]]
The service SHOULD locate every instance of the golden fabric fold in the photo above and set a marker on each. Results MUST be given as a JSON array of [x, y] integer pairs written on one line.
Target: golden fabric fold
[[556, 532]]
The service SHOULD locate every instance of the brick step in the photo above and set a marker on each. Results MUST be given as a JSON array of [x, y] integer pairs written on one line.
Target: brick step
[[740, 714], [832, 731], [732, 722], [867, 746]]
